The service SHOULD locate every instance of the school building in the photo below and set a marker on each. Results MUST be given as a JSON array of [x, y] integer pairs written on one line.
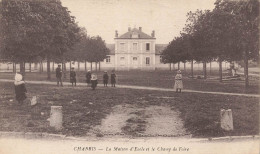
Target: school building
[[135, 50]]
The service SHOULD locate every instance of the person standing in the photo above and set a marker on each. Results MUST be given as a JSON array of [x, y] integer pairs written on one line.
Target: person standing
[[113, 79], [105, 79], [73, 76], [59, 75], [20, 89], [88, 77], [178, 82], [94, 81]]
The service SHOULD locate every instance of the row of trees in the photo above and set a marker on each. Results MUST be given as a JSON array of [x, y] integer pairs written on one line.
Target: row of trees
[[37, 30], [227, 33]]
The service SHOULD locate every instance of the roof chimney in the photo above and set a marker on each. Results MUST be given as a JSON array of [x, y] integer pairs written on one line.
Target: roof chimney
[[153, 33], [129, 29], [116, 33], [140, 28]]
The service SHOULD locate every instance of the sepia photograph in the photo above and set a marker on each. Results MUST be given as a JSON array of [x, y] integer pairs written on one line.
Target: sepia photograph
[[129, 77]]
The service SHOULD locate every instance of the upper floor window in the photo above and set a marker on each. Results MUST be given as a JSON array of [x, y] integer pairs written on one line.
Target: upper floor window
[[108, 59], [147, 60], [147, 46], [122, 47], [134, 46]]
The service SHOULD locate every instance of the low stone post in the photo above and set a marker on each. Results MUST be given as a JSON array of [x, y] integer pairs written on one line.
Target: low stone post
[[226, 119], [56, 117]]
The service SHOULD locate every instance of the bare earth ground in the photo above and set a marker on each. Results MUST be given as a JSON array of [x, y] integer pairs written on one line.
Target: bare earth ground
[[146, 121], [128, 111]]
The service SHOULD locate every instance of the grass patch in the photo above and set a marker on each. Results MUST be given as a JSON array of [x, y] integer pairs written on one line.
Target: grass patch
[[84, 108], [162, 79]]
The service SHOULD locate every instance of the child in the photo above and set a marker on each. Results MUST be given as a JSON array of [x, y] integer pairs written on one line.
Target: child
[[73, 76], [105, 79], [88, 77], [178, 81], [113, 79], [94, 81], [20, 89]]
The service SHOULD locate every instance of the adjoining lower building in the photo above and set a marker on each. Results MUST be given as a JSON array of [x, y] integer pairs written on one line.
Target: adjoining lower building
[[135, 50]]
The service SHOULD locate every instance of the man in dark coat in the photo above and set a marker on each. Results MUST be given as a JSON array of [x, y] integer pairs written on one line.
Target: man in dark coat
[[105, 79], [73, 76], [113, 79], [20, 89], [88, 77], [59, 75]]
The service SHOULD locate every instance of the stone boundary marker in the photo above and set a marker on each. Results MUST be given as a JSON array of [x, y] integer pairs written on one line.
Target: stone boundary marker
[[31, 135]]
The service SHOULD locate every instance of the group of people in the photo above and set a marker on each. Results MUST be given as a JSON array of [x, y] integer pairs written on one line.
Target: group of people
[[91, 78]]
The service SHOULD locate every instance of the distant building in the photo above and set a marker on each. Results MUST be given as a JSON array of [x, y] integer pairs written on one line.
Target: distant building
[[135, 50]]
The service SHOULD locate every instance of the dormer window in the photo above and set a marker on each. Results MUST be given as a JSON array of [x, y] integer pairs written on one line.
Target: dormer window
[[134, 35]]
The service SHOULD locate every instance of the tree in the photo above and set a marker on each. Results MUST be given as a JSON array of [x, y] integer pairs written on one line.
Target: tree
[[245, 21], [33, 28], [97, 50]]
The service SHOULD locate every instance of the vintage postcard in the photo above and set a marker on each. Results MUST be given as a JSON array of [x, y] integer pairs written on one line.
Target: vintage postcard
[[129, 76]]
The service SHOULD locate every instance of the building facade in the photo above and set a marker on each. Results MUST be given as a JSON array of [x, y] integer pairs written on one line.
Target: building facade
[[135, 50]]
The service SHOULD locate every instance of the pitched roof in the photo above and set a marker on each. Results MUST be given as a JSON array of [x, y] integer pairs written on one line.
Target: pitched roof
[[129, 34], [159, 48], [111, 48]]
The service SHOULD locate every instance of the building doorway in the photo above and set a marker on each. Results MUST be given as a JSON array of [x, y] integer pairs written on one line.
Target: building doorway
[[135, 62]]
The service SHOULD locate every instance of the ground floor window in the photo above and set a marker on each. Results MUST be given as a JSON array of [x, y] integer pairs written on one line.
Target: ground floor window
[[161, 59], [108, 59], [147, 60]]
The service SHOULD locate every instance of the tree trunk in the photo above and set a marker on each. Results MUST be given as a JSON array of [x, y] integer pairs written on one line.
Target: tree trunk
[[85, 65], [41, 66], [48, 68], [178, 65], [22, 69], [246, 70], [91, 66], [70, 65], [78, 66], [205, 70], [14, 67], [170, 66], [192, 68], [173, 66], [62, 66], [30, 67], [96, 66], [210, 68], [220, 70], [53, 67], [184, 66], [65, 68]]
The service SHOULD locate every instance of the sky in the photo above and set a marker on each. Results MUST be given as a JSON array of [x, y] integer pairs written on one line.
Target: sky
[[103, 17]]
